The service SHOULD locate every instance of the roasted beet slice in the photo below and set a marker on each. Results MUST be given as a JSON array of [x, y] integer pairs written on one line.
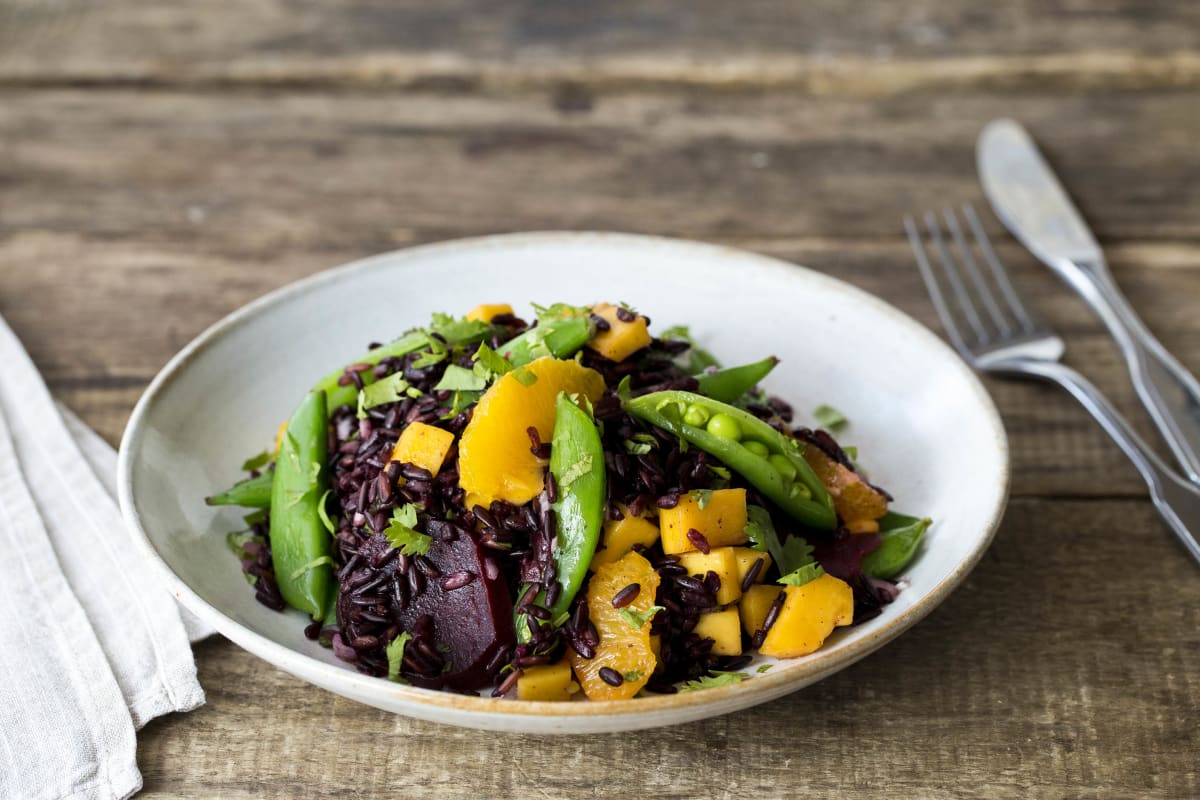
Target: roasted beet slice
[[470, 605]]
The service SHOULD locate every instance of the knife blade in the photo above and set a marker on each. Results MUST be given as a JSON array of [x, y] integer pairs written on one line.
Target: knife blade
[[1028, 198]]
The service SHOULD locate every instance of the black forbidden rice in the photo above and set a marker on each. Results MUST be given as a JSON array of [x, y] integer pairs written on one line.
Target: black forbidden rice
[[376, 582]]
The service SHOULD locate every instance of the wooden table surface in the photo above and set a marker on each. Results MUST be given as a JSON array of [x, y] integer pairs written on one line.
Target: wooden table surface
[[163, 163]]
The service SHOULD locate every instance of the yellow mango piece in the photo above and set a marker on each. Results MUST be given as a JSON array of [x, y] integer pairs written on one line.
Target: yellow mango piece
[[494, 457], [423, 445], [723, 628], [547, 682], [722, 521], [488, 311], [720, 560], [620, 535], [746, 557], [809, 615], [754, 605], [622, 647], [622, 339]]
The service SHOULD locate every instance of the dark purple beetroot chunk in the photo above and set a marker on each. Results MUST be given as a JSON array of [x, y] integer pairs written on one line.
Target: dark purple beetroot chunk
[[474, 621]]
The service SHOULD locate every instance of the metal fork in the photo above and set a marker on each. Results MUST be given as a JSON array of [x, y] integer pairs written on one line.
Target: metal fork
[[993, 329]]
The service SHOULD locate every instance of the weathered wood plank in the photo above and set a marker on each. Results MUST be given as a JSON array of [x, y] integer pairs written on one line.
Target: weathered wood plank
[[1064, 667], [821, 47], [325, 171]]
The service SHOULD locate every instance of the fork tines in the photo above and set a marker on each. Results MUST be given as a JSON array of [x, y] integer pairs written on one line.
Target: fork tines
[[981, 309]]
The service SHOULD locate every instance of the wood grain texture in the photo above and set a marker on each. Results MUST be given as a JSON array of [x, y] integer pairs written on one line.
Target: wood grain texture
[[1058, 670], [163, 164]]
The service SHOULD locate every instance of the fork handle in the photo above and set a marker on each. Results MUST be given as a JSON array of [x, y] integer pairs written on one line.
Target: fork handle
[[1177, 499], [1168, 391]]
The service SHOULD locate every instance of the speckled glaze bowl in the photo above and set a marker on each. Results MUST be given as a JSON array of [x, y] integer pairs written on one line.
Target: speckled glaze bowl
[[923, 424]]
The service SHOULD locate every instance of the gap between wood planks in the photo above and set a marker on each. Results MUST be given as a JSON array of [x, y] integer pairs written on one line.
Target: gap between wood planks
[[839, 76]]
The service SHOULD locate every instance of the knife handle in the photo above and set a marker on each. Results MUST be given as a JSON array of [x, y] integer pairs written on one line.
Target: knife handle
[[1168, 391]]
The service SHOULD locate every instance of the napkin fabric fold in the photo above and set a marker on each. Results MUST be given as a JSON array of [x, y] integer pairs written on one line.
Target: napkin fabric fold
[[93, 647]]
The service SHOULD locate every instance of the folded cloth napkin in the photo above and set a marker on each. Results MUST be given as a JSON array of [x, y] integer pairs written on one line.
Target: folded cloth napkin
[[90, 648]]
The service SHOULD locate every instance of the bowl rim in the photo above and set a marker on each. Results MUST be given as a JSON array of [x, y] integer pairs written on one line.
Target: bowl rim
[[745, 693]]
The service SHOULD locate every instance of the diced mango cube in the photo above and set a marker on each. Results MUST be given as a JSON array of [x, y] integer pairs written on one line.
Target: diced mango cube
[[620, 535], [622, 339], [488, 311], [723, 562], [808, 616], [547, 682], [423, 445], [746, 558], [722, 520], [754, 605], [723, 628]]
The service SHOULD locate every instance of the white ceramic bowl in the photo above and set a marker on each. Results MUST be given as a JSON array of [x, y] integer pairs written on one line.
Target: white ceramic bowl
[[924, 426]]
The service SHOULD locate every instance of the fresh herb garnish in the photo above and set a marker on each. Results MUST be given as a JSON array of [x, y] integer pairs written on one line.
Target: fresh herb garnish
[[458, 329], [803, 574], [702, 497], [395, 655], [391, 389], [764, 668], [829, 417], [489, 364], [713, 680], [324, 514], [637, 620], [257, 462], [633, 675], [525, 377], [460, 379], [402, 533]]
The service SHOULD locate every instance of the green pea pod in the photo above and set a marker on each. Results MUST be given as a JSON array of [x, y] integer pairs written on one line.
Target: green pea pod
[[250, 493], [729, 384], [801, 496], [901, 535], [300, 544], [560, 338], [577, 465]]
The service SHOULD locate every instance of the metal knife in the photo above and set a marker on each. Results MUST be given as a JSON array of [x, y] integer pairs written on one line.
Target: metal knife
[[1030, 201]]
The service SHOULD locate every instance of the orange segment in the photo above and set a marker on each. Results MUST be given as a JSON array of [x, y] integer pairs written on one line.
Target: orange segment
[[622, 647], [853, 499], [494, 457]]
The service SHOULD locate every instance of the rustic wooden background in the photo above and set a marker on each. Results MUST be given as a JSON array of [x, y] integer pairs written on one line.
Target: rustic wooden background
[[163, 163]]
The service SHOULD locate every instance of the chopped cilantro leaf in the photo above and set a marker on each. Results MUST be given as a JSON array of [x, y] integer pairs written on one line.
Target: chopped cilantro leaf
[[391, 389], [524, 377], [457, 330], [713, 680], [324, 514], [257, 462], [395, 655], [702, 497], [803, 574], [489, 364], [402, 533], [829, 417], [460, 379], [764, 668], [635, 620]]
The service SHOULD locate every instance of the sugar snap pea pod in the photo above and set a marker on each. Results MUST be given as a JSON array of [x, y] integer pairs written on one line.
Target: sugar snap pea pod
[[300, 543], [577, 466], [772, 462], [729, 384], [901, 535], [561, 338], [250, 493]]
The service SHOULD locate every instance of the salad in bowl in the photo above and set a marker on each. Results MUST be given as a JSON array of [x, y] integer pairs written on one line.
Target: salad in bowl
[[567, 508]]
